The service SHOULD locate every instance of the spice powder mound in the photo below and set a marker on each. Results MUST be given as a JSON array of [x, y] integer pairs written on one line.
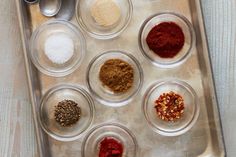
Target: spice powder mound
[[110, 147], [166, 39], [67, 113], [117, 75], [170, 106]]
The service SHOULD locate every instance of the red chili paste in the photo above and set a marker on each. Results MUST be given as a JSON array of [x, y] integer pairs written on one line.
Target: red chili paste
[[109, 147], [166, 39]]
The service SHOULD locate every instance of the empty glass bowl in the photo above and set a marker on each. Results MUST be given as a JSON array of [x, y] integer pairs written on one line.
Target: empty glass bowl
[[90, 146], [37, 47], [47, 108], [188, 34], [191, 111], [102, 93], [88, 24]]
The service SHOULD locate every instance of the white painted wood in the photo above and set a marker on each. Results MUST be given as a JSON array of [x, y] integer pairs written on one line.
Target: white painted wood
[[220, 19], [16, 124]]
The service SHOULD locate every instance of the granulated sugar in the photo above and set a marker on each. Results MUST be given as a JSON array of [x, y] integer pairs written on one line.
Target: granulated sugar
[[59, 48]]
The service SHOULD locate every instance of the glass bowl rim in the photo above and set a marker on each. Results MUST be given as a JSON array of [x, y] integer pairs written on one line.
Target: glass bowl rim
[[104, 36], [112, 124], [185, 85], [59, 87], [121, 102], [187, 53], [44, 26]]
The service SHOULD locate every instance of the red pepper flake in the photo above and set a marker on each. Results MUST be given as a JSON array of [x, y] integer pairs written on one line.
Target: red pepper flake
[[166, 39], [170, 106], [109, 147]]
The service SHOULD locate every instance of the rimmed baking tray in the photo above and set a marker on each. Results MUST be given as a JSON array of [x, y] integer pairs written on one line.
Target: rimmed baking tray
[[203, 140]]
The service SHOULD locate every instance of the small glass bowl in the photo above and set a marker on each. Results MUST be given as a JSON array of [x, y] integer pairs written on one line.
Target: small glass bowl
[[88, 24], [191, 111], [184, 52], [90, 146], [38, 40], [102, 93], [47, 107]]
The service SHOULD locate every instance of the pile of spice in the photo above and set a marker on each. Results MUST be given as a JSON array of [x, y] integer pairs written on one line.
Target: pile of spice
[[166, 39], [110, 147], [170, 106], [105, 12], [117, 75], [59, 48], [67, 113]]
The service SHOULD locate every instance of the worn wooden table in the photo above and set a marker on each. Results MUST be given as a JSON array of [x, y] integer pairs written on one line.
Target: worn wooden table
[[16, 124]]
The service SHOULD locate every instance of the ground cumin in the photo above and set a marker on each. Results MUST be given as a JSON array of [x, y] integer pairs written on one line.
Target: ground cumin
[[117, 75]]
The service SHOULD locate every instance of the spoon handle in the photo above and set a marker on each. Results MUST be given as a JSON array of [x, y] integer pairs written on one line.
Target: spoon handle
[[67, 10]]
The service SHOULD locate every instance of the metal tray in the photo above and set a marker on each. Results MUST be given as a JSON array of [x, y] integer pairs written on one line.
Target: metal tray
[[203, 140]]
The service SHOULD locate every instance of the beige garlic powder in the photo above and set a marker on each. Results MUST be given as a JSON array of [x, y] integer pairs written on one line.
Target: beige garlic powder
[[105, 12]]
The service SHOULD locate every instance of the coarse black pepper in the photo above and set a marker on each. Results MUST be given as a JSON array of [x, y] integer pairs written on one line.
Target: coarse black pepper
[[67, 113]]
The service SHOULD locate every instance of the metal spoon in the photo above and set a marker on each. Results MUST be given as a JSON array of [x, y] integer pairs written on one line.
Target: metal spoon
[[67, 10], [49, 8], [31, 1]]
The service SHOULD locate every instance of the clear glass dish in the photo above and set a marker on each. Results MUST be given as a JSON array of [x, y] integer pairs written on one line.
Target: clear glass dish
[[37, 43], [47, 107], [89, 25], [102, 93], [187, 29], [90, 146], [191, 111]]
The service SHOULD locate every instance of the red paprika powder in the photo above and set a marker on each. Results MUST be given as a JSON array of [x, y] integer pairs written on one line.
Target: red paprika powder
[[109, 147], [166, 39]]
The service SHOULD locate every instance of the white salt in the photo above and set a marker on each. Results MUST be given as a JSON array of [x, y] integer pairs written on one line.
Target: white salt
[[59, 48]]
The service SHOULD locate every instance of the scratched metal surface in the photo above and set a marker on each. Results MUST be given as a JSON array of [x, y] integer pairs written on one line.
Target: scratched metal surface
[[204, 139]]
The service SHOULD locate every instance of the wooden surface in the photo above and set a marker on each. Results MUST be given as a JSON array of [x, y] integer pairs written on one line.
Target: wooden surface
[[16, 124]]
